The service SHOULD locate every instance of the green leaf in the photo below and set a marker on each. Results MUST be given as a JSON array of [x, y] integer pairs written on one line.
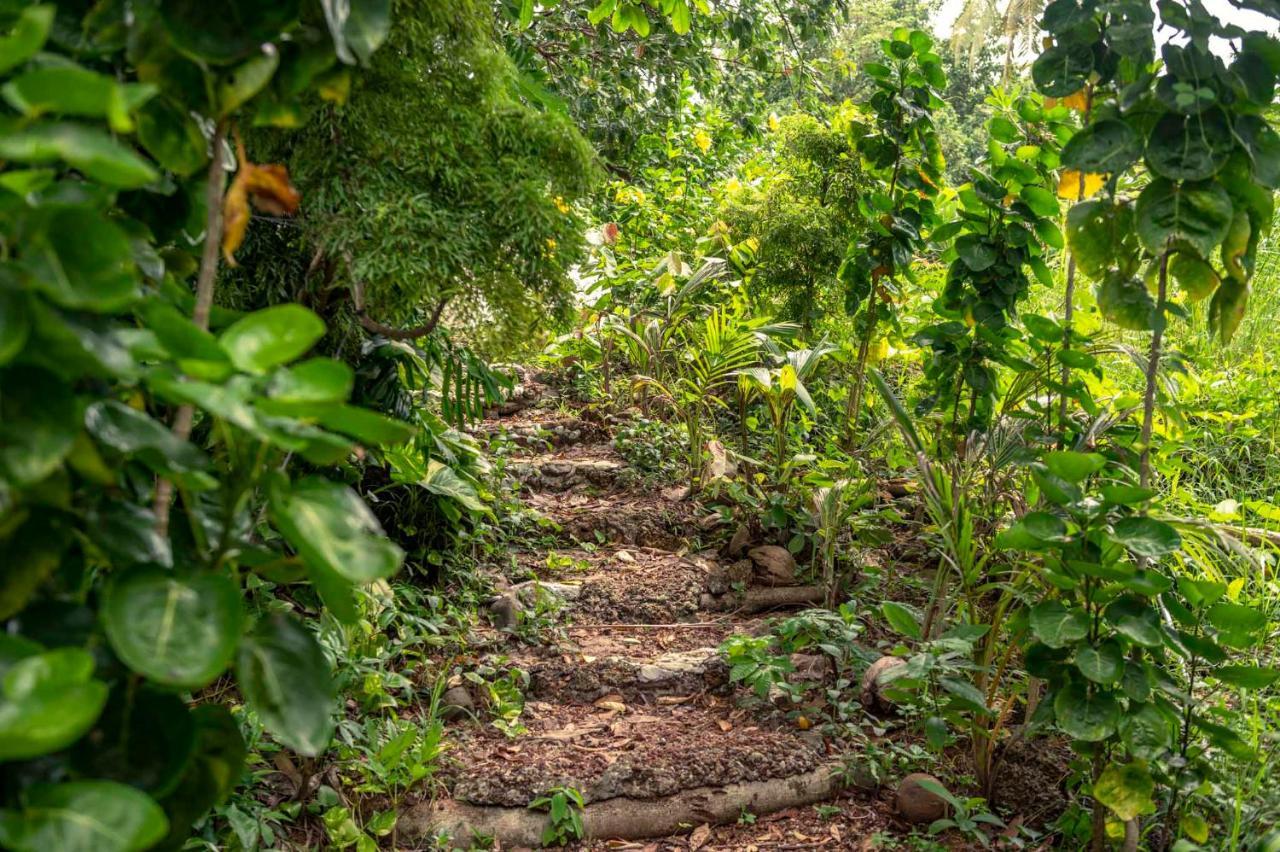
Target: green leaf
[[1072, 466], [1196, 278], [1247, 677], [444, 481], [1057, 626], [27, 558], [318, 380], [81, 259], [1136, 619], [239, 28], [1086, 713], [75, 91], [38, 425], [179, 632], [172, 136], [84, 816], [1226, 308], [143, 738], [285, 678], [368, 427], [243, 82], [1101, 664], [15, 323], [602, 10], [359, 27], [86, 149], [211, 774], [1190, 147], [1236, 618], [329, 525], [1126, 789], [976, 252], [47, 702], [1034, 531], [1172, 215], [1003, 130], [1101, 237], [28, 36], [1105, 147], [1041, 201], [270, 337], [1062, 69], [1126, 302], [1126, 495], [1262, 144], [901, 619], [1146, 536]]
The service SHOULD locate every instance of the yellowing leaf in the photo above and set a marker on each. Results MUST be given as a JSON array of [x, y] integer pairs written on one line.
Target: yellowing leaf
[[1078, 101], [702, 140], [267, 186], [1074, 186]]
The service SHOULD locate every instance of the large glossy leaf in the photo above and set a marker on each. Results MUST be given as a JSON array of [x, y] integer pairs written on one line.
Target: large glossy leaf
[[1147, 536], [1195, 278], [271, 337], [286, 680], [83, 816], [1057, 626], [29, 33], [15, 323], [1086, 713], [239, 27], [172, 136], [86, 149], [442, 480], [1034, 531], [1190, 147], [329, 525], [1136, 619], [47, 702], [1102, 664], [1074, 466], [1106, 147], [318, 380], [179, 632], [133, 433], [368, 427], [1262, 144], [359, 27], [38, 425], [75, 91], [1062, 69], [1126, 789], [1126, 302], [81, 259], [245, 81], [1171, 215], [143, 738], [1101, 236]]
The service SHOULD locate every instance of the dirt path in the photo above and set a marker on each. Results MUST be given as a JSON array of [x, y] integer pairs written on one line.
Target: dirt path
[[629, 702]]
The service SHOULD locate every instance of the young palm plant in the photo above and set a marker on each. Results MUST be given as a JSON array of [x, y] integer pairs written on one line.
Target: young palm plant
[[781, 387]]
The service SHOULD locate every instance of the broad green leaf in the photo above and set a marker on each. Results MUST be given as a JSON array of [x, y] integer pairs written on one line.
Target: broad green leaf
[[196, 351], [1194, 277], [1172, 215], [1146, 536], [15, 323], [329, 525], [1101, 237], [1226, 308], [38, 425], [285, 678], [1136, 619], [47, 702], [1105, 147], [1057, 626], [367, 427], [1247, 677], [1126, 495], [29, 33], [318, 380], [271, 337], [1225, 738], [1262, 144], [177, 631], [976, 252], [1101, 664], [1126, 789], [239, 28], [359, 27], [1041, 201], [86, 149], [144, 738], [211, 774], [1034, 531], [131, 432], [80, 259], [1073, 466], [1147, 730], [1236, 618], [1126, 302], [75, 91], [1086, 713], [444, 481], [1062, 69], [1190, 147], [172, 136], [84, 816], [900, 619], [27, 558], [243, 82]]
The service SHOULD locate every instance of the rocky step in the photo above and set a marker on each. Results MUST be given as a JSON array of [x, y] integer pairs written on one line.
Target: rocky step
[[642, 771], [642, 518], [649, 586], [543, 429], [598, 469]]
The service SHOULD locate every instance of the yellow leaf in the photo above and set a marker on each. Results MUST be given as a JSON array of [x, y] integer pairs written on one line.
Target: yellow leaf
[[1079, 101], [1076, 187], [235, 216], [267, 186], [702, 140]]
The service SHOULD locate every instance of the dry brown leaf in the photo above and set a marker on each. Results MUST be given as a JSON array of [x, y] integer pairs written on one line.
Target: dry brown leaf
[[668, 700], [699, 837], [267, 186], [725, 725]]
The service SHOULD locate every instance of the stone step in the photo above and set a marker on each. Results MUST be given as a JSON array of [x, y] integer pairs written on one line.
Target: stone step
[[556, 473], [641, 518], [665, 677], [542, 429]]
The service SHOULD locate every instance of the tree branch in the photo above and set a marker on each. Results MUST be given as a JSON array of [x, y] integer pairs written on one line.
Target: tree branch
[[373, 326]]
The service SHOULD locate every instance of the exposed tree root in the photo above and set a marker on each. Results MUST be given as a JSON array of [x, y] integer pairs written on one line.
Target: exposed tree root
[[622, 817]]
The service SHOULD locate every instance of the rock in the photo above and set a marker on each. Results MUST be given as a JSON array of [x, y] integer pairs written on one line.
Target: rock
[[530, 591], [915, 803], [811, 667], [711, 521], [675, 493], [624, 556], [873, 682], [775, 566], [740, 542], [506, 611], [718, 465], [457, 703]]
